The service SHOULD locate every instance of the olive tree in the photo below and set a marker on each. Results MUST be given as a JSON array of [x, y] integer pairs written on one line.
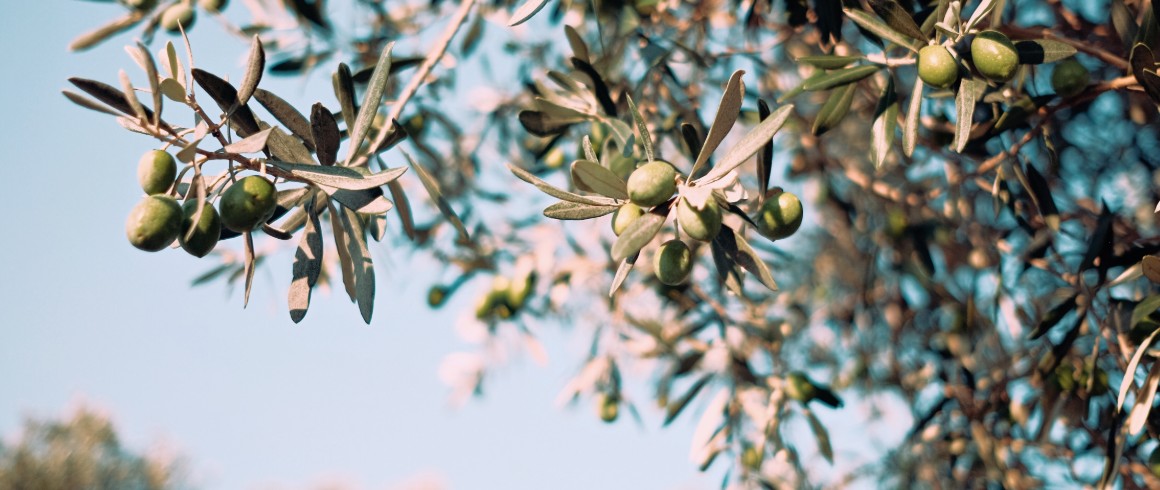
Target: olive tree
[[973, 227]]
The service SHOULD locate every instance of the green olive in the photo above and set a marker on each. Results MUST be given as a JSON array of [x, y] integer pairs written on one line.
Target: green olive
[[799, 387], [178, 14], [214, 6], [673, 262], [700, 224], [994, 56], [205, 233], [248, 203], [154, 223], [155, 171], [652, 184], [436, 296], [780, 217], [1069, 78], [936, 66], [609, 407], [624, 216]]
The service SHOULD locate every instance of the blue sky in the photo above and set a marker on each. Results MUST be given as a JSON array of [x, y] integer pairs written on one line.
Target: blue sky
[[252, 400]]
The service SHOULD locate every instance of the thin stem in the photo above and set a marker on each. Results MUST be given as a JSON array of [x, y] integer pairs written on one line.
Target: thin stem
[[416, 80]]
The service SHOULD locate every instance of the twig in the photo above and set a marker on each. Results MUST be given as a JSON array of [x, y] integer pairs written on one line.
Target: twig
[[416, 80]]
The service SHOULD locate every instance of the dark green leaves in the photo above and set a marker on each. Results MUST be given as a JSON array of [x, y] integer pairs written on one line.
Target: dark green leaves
[[839, 77], [371, 100], [363, 268], [828, 62], [970, 91], [836, 107], [286, 114], [325, 133], [881, 29], [898, 18], [226, 97], [111, 96], [1037, 51], [885, 123]]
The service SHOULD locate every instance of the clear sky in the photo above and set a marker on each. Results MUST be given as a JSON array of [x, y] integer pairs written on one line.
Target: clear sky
[[252, 400]]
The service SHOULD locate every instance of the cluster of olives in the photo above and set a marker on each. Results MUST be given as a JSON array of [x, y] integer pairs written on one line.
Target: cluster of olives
[[505, 298], [994, 56], [654, 183], [180, 13], [158, 220]]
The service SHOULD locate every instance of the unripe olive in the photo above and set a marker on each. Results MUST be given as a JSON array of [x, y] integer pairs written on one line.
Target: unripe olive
[[673, 262], [624, 216], [520, 289], [700, 224], [213, 6], [1069, 78], [780, 217], [178, 14], [156, 171], [608, 406], [141, 5], [994, 56], [248, 203], [652, 184], [936, 66], [799, 387], [206, 231], [751, 457], [154, 223], [436, 296]]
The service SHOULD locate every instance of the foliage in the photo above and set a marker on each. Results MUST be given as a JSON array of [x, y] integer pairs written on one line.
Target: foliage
[[984, 251], [81, 452]]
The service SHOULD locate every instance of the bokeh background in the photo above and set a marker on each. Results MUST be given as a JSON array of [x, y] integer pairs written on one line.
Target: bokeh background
[[244, 396]]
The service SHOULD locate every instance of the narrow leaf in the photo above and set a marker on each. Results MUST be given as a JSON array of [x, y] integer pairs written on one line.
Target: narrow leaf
[[677, 406], [371, 100], [339, 177], [432, 187], [364, 270], [639, 233], [1130, 371], [1037, 51], [226, 97], [555, 192], [87, 103], [565, 210], [835, 109], [98, 35], [622, 273], [829, 61], [756, 138], [255, 65], [1099, 240], [526, 11], [913, 109], [880, 29], [897, 18], [1144, 401], [307, 266], [287, 115], [344, 92], [641, 129], [970, 91], [250, 144], [822, 436], [727, 112], [595, 178], [249, 268], [885, 123], [324, 131], [839, 77]]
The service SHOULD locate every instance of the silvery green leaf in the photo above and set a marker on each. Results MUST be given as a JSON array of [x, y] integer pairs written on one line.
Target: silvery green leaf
[[555, 192], [727, 112], [250, 144], [639, 233], [593, 177], [526, 10], [324, 131], [432, 187], [970, 90], [339, 177], [371, 100], [753, 141], [641, 129], [287, 115], [364, 270], [880, 29], [307, 266], [565, 210], [255, 65]]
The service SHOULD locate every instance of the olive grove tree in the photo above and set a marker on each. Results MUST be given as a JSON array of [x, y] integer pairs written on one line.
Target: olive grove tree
[[973, 229]]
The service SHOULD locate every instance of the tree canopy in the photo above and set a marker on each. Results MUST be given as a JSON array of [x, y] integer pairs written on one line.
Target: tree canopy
[[777, 206]]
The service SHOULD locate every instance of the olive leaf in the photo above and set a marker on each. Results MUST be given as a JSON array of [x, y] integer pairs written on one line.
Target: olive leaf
[[829, 61], [821, 434], [599, 87], [910, 126], [1144, 401], [287, 115], [836, 107], [565, 210], [344, 92], [757, 137], [324, 131], [226, 97], [642, 130], [880, 29], [1043, 200], [970, 90], [765, 154], [255, 65], [87, 103], [250, 144], [885, 122], [365, 201], [287, 148], [360, 258], [1099, 240], [579, 47], [839, 77], [432, 187], [555, 192], [150, 67], [110, 29], [1130, 370], [1037, 51], [640, 232], [593, 177], [526, 11], [371, 100], [677, 406], [108, 94], [541, 124], [339, 177], [898, 18], [622, 273], [742, 254], [307, 266], [727, 112], [170, 88], [249, 267]]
